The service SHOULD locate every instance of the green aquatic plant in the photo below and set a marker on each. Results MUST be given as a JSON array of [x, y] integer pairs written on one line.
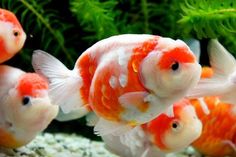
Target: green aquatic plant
[[208, 18], [96, 17]]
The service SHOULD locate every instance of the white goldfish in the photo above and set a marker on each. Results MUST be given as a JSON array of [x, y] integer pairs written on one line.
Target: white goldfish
[[25, 108], [127, 80]]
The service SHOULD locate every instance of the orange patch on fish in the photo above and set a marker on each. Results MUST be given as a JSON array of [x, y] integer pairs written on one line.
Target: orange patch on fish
[[140, 52], [7, 140], [175, 55], [30, 84], [8, 16], [153, 127], [104, 100], [217, 126], [3, 53], [158, 127], [89, 67]]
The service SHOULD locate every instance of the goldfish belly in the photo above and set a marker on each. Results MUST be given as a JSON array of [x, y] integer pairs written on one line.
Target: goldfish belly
[[8, 140]]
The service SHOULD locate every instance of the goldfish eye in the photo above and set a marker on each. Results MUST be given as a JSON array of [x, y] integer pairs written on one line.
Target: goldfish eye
[[175, 66], [176, 126], [26, 100], [16, 33]]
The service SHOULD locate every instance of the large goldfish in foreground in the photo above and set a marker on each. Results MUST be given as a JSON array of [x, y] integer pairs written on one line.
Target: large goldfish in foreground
[[127, 80], [12, 36], [218, 138], [223, 81], [160, 136], [25, 108]]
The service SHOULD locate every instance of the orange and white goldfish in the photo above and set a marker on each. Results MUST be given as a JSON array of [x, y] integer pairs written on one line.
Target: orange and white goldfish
[[25, 108], [127, 80], [12, 35], [218, 138], [223, 82], [159, 137]]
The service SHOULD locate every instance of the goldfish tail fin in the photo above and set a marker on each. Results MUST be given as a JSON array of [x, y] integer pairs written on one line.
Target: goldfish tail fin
[[209, 87], [222, 62], [64, 84], [223, 65]]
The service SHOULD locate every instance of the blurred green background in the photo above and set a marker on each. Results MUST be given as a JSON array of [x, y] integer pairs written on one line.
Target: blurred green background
[[65, 28]]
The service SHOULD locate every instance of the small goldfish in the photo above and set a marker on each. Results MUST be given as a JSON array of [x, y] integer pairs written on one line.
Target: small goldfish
[[127, 80], [160, 136], [25, 108], [223, 83], [218, 138], [12, 36]]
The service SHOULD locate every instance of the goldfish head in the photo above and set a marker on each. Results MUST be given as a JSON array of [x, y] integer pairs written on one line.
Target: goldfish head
[[12, 36], [175, 133], [27, 108], [171, 69]]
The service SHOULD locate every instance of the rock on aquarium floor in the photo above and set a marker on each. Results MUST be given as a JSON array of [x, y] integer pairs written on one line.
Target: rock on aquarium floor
[[68, 145]]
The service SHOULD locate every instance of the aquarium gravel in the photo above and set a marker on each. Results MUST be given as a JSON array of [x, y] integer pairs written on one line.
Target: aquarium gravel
[[68, 145]]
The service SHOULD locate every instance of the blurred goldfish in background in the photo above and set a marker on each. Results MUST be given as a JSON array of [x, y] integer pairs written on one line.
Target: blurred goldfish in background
[[127, 80], [25, 108], [160, 136], [218, 138], [12, 36], [223, 82]]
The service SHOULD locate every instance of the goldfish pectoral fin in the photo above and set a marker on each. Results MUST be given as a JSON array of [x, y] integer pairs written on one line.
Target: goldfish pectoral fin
[[75, 114], [222, 62], [230, 143], [91, 119], [204, 106], [131, 99], [64, 84], [104, 127], [152, 151]]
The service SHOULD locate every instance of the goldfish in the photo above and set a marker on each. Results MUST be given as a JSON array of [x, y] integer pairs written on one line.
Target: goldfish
[[222, 83], [12, 35], [219, 129], [25, 108], [159, 137], [127, 80]]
